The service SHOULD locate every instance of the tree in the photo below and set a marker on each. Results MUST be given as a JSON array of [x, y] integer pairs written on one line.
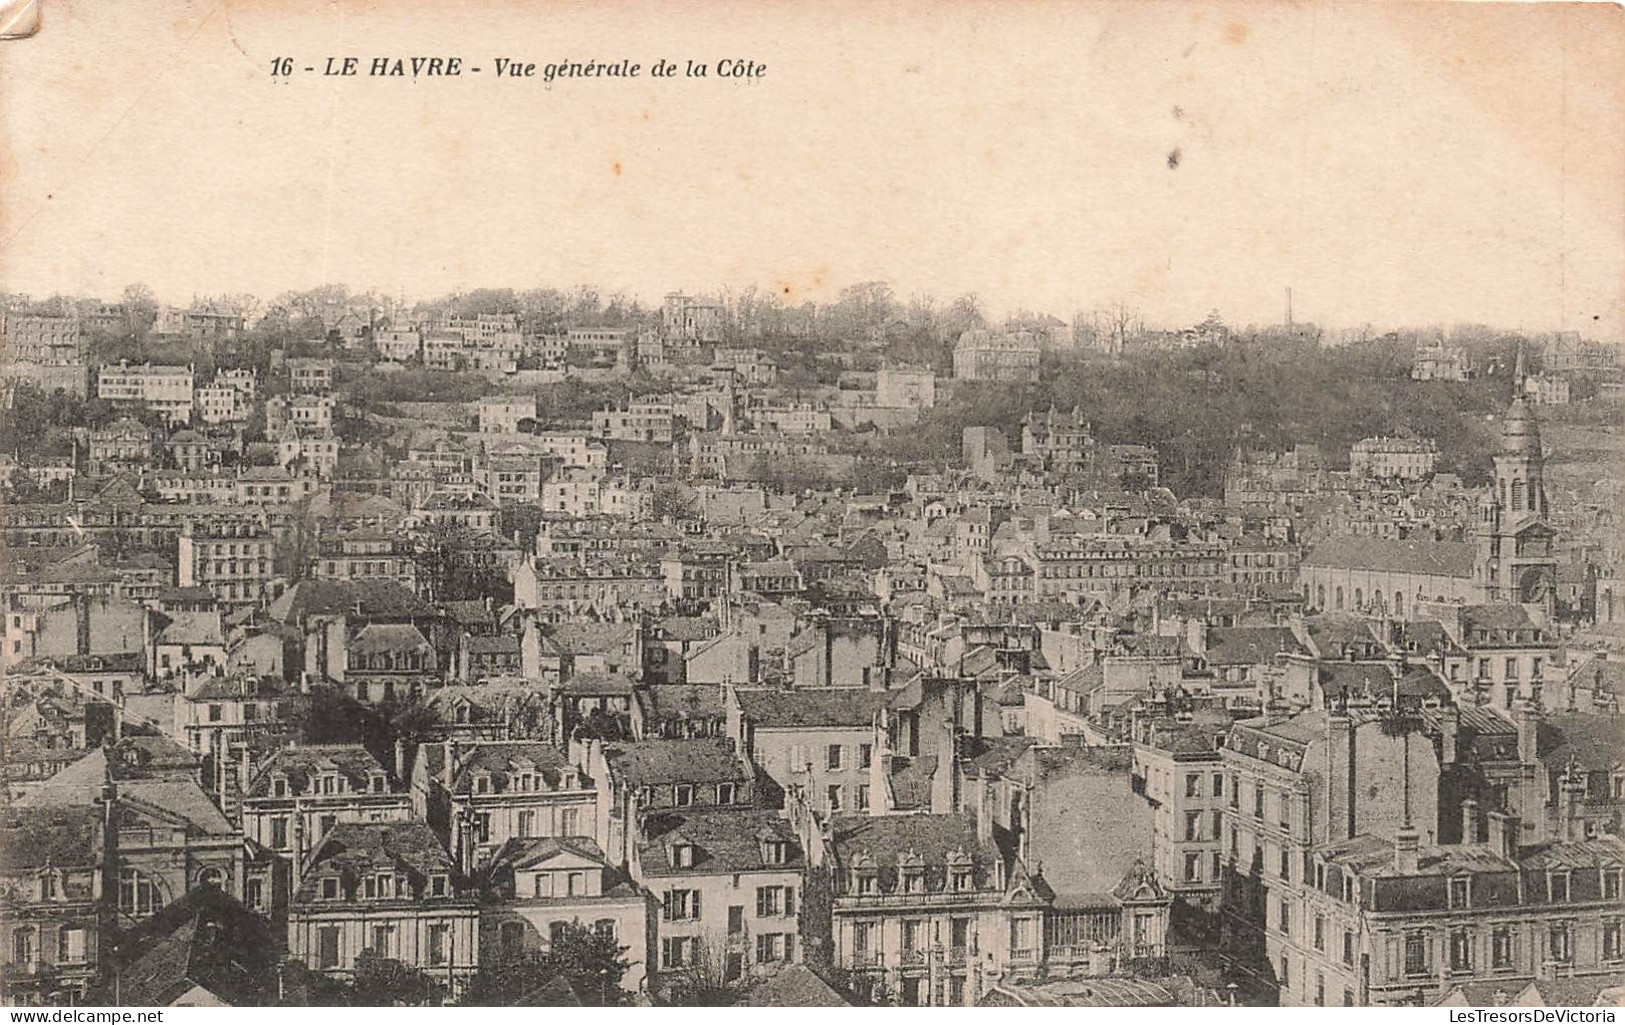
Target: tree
[[385, 982], [674, 502], [592, 963]]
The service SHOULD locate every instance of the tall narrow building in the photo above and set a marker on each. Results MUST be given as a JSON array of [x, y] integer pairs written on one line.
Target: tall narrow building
[[1516, 556]]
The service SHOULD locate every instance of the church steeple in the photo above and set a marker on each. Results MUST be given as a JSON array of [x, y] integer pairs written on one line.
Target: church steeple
[[1516, 561]]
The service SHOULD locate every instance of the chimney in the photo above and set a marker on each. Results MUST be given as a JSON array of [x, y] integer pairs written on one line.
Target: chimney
[[1450, 732], [1571, 788], [298, 851], [1528, 721], [1503, 834], [400, 758], [451, 762], [1407, 843], [1469, 821]]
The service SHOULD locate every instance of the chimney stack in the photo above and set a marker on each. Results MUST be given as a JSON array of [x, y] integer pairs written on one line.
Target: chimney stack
[[450, 770], [400, 758], [1407, 849], [1450, 733], [1528, 721], [1503, 834], [1571, 788], [1469, 821], [298, 851]]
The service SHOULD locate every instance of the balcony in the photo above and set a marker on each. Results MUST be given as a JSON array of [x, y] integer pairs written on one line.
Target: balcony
[[1022, 955], [866, 960]]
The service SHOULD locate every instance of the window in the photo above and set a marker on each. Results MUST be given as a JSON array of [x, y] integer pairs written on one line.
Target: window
[[684, 795], [1320, 932], [512, 936], [775, 901], [438, 886], [1258, 798], [1512, 668], [863, 797], [330, 888], [866, 755], [1286, 864], [1193, 784], [137, 894], [1502, 947], [1558, 947], [439, 943], [1286, 812], [1611, 946], [1557, 887], [383, 940], [868, 885], [327, 947], [725, 793], [527, 823], [1460, 890], [1193, 867], [681, 905], [1218, 784], [1320, 989], [1610, 884], [1348, 946], [676, 951], [833, 795], [214, 713], [1416, 953], [832, 757], [70, 946], [1284, 916], [1461, 950], [22, 945], [1193, 825]]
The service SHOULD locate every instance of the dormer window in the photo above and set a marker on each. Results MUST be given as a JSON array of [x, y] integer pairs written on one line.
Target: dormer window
[[525, 782], [1557, 887], [50, 885], [482, 783], [683, 795], [438, 885], [868, 884], [279, 786], [330, 889], [914, 880], [377, 782], [330, 783], [682, 855], [775, 852], [1460, 891], [725, 793], [959, 878]]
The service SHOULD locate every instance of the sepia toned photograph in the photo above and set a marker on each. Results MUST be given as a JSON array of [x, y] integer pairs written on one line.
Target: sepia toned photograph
[[1043, 504]]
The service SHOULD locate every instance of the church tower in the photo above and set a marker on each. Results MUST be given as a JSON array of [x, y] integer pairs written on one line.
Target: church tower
[[1516, 558]]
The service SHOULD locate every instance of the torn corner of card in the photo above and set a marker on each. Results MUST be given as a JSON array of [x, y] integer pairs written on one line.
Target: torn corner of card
[[19, 19]]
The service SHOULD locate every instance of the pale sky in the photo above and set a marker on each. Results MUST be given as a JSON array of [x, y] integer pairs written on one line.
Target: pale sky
[[1393, 163]]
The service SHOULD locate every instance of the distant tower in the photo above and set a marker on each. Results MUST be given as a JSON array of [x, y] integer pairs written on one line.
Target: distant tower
[[1516, 560], [1289, 306]]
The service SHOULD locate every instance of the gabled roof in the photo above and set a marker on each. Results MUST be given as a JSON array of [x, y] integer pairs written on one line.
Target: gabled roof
[[302, 762], [655, 762], [849, 708], [725, 841], [1429, 558]]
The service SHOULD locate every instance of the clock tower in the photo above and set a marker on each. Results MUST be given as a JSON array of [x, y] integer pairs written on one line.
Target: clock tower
[[1516, 556]]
